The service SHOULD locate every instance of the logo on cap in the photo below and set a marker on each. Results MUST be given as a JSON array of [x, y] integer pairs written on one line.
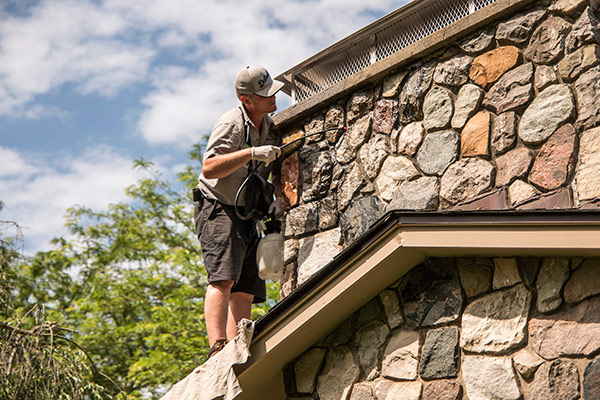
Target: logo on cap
[[261, 82]]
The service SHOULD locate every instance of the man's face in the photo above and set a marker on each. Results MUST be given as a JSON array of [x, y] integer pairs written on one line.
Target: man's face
[[261, 104]]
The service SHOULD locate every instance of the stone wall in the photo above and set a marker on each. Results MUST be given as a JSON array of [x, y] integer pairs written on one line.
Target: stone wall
[[465, 328], [507, 118]]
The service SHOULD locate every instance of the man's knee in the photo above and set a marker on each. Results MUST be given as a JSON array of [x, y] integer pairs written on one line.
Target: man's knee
[[222, 286]]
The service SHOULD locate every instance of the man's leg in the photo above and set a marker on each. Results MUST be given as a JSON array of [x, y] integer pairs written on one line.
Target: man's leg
[[216, 302], [240, 306]]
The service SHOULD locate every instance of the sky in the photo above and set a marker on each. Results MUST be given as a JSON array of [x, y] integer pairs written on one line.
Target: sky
[[88, 86]]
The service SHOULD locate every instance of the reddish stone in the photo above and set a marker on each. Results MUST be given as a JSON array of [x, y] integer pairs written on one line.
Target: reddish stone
[[494, 201], [385, 116], [442, 390], [290, 180], [488, 67], [555, 160], [560, 199], [475, 135], [512, 165]]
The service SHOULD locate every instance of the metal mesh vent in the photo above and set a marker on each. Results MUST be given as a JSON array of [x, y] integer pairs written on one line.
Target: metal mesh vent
[[384, 41]]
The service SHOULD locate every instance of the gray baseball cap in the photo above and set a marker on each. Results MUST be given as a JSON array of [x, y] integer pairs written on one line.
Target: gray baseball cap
[[255, 79]]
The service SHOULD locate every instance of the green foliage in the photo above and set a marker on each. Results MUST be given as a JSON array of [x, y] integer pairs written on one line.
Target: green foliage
[[130, 282]]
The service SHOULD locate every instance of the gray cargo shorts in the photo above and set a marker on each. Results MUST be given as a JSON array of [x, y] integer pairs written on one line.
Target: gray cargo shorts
[[228, 247]]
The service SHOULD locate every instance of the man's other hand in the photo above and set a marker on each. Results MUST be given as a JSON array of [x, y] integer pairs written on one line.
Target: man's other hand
[[265, 153], [276, 209]]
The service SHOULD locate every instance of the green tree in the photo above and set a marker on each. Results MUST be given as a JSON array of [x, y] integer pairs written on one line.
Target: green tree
[[130, 282]]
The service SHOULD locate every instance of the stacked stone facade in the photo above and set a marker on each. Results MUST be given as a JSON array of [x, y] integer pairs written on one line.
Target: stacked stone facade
[[465, 328], [507, 118]]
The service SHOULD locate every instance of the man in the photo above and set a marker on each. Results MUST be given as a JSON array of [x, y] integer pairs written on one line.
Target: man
[[241, 136]]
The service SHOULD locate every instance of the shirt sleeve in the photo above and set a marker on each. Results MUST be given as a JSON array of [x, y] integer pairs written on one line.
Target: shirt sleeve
[[225, 138]]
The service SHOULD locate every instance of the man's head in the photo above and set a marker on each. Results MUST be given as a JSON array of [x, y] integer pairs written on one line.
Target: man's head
[[256, 80]]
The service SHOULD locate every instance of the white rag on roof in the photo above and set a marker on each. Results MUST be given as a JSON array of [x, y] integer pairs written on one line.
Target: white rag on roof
[[215, 379]]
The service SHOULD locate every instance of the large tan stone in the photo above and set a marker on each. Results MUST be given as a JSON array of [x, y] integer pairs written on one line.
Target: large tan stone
[[306, 369], [487, 378], [573, 332], [401, 356], [512, 165], [475, 135], [338, 375], [490, 66], [584, 282], [586, 177], [316, 251]]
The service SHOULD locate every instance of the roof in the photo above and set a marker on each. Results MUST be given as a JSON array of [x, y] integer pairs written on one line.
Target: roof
[[393, 245]]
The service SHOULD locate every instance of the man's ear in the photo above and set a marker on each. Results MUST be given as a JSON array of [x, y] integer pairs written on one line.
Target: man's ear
[[245, 99]]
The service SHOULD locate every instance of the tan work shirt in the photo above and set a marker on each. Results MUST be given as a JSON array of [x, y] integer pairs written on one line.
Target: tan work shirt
[[229, 135]]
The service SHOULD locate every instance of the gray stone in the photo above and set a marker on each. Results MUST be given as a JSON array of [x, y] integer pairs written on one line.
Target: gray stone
[[584, 31], [314, 125], [370, 312], [373, 153], [549, 110], [496, 322], [504, 132], [442, 390], [475, 275], [316, 172], [369, 341], [328, 213], [506, 272], [488, 378], [359, 132], [591, 380], [306, 369], [584, 281], [553, 274], [588, 184], [530, 267], [548, 41], [579, 61], [439, 358], [395, 170], [453, 72], [334, 118], [438, 302], [438, 151], [420, 194], [479, 42], [587, 92], [349, 186], [558, 380], [360, 215], [410, 138], [526, 362], [393, 83], [518, 29], [411, 97], [302, 219], [401, 356], [544, 77], [511, 91], [466, 179], [389, 390], [338, 375], [573, 332], [290, 250], [437, 108], [362, 391], [343, 333], [519, 192], [468, 100], [317, 251], [391, 306], [512, 165], [344, 153], [359, 104], [385, 116]]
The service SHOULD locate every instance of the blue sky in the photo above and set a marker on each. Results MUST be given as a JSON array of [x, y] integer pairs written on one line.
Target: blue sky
[[87, 86]]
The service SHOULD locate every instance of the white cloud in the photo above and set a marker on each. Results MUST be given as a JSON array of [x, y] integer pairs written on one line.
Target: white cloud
[[36, 194]]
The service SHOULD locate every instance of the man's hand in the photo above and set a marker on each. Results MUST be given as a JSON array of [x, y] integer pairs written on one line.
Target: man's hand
[[276, 209], [265, 153]]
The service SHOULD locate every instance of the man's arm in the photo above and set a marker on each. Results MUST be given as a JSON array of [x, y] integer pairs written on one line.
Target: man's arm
[[223, 165]]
